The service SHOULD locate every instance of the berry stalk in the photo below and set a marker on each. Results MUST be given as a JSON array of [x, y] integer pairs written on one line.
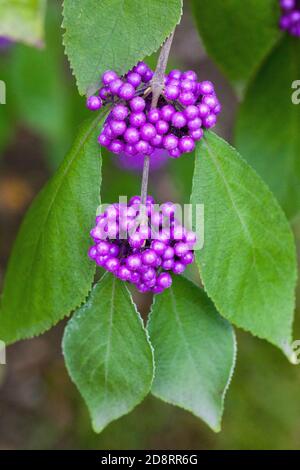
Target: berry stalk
[[157, 84]]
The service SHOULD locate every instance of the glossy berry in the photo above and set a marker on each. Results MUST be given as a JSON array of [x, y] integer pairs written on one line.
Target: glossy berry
[[94, 103]]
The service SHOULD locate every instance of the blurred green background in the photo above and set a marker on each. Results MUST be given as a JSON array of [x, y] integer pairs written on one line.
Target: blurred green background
[[39, 406]]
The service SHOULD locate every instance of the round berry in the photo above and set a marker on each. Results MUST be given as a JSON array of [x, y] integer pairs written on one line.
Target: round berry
[[118, 127], [162, 127], [104, 93], [154, 115], [186, 144], [134, 79], [175, 153], [189, 75], [103, 248], [131, 135], [104, 140], [204, 110], [112, 264], [206, 88], [126, 92], [178, 120], [137, 119], [188, 85], [115, 86], [191, 112], [94, 103], [148, 131], [123, 273], [149, 257], [158, 246], [143, 147], [210, 121], [167, 112], [134, 262], [195, 124], [197, 134], [170, 142], [178, 267], [120, 112], [108, 77], [175, 74], [116, 146], [137, 104], [187, 98], [172, 92], [141, 68], [164, 280]]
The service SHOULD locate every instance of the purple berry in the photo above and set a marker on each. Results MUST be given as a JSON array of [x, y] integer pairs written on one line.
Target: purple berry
[[112, 264], [197, 134], [164, 280], [137, 119], [131, 135], [134, 79], [178, 120], [115, 86], [134, 262], [143, 147], [148, 131], [116, 146], [204, 110], [172, 92], [175, 153], [126, 92], [206, 88], [191, 112], [162, 127], [149, 257], [108, 77], [167, 112], [189, 75], [120, 112], [175, 74], [170, 142], [187, 98], [179, 267], [137, 104], [118, 127], [154, 116], [104, 140], [94, 103], [210, 121], [195, 124], [186, 144]]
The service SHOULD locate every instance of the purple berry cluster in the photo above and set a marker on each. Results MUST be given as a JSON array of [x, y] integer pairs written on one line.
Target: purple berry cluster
[[185, 109], [290, 19], [142, 254]]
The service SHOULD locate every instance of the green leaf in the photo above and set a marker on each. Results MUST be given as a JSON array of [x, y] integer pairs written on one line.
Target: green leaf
[[267, 131], [194, 351], [238, 34], [248, 263], [114, 34], [23, 20], [49, 273], [108, 354]]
